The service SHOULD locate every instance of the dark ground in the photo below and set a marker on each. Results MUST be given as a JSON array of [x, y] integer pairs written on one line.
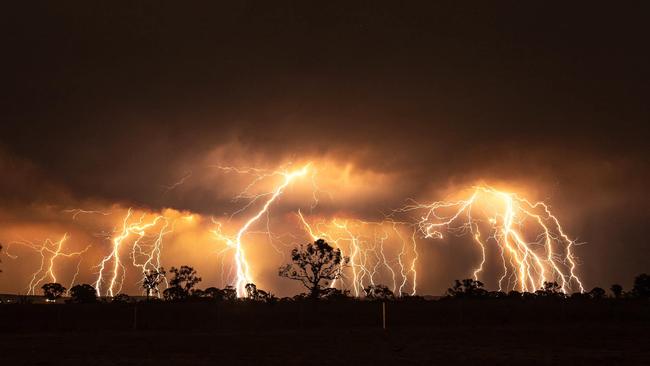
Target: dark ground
[[459, 332], [612, 344]]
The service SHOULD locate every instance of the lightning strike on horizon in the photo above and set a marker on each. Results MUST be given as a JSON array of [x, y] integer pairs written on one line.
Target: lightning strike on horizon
[[118, 271], [243, 274], [380, 250], [367, 253], [49, 251], [529, 269]]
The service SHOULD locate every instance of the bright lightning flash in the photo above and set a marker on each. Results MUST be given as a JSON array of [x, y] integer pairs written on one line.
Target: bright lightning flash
[[243, 274], [527, 264]]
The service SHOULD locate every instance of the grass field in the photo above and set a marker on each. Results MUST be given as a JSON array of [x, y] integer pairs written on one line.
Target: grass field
[[608, 344], [465, 332]]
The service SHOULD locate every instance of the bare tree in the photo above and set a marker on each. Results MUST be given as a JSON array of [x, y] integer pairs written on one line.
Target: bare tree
[[151, 281], [315, 265]]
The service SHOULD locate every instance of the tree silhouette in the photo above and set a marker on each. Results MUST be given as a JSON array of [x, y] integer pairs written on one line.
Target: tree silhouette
[[467, 288], [408, 297], [597, 293], [83, 294], [121, 299], [181, 285], [496, 294], [251, 291], [378, 292], [641, 287], [336, 294], [315, 265], [550, 289], [580, 296], [214, 293], [197, 293], [53, 291], [184, 277], [151, 281], [255, 294], [175, 293], [617, 290], [229, 293]]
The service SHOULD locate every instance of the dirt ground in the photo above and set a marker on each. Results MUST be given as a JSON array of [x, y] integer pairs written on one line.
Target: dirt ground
[[609, 344]]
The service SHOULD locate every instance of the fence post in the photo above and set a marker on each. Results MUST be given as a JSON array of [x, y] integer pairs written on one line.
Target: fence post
[[383, 314]]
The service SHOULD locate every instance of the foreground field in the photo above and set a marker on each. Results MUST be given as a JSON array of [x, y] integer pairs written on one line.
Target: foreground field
[[464, 332], [595, 344]]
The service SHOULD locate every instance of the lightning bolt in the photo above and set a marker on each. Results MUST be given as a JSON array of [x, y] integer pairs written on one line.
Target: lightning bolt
[[529, 268], [367, 252], [243, 274], [138, 229], [78, 211], [532, 246], [49, 251]]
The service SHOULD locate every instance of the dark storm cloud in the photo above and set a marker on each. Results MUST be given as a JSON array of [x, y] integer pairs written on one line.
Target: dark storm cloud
[[114, 102]]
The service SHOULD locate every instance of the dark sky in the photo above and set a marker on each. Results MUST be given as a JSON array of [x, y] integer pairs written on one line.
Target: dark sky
[[107, 101]]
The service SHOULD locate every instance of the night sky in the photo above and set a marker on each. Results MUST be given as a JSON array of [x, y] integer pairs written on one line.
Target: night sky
[[107, 105]]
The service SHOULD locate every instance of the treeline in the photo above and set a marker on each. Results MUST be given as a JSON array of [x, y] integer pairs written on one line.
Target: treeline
[[182, 288], [315, 265]]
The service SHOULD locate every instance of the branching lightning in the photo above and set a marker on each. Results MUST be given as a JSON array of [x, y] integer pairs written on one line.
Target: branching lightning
[[508, 218], [366, 244], [49, 251], [243, 274], [526, 239], [144, 256]]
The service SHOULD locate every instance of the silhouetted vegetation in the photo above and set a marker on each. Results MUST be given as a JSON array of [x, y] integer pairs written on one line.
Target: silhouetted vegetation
[[378, 292], [641, 287], [597, 293], [182, 284], [467, 288], [53, 291], [550, 289], [229, 293], [83, 294], [335, 294], [467, 302], [122, 299], [151, 281], [315, 265], [255, 294]]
